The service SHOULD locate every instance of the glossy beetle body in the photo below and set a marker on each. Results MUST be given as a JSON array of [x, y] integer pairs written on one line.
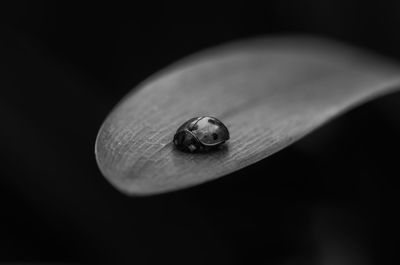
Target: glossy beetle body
[[200, 134]]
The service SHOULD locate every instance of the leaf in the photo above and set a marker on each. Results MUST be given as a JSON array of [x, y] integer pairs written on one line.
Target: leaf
[[269, 92]]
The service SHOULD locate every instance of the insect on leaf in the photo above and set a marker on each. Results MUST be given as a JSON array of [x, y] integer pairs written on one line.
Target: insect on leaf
[[268, 92]]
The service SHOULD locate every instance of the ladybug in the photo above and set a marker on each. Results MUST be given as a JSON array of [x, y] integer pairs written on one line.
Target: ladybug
[[201, 134]]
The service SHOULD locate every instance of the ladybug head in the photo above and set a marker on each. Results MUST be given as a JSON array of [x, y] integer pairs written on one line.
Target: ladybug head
[[186, 141]]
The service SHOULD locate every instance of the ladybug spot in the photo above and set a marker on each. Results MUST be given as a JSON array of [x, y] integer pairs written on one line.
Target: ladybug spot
[[215, 136], [211, 121]]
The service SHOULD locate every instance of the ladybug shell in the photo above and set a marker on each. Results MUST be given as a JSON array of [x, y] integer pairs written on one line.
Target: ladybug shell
[[201, 132]]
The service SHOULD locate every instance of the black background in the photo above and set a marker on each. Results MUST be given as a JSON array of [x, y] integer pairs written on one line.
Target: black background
[[63, 66]]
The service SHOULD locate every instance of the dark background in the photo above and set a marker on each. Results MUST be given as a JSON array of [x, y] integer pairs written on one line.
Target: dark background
[[63, 66]]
